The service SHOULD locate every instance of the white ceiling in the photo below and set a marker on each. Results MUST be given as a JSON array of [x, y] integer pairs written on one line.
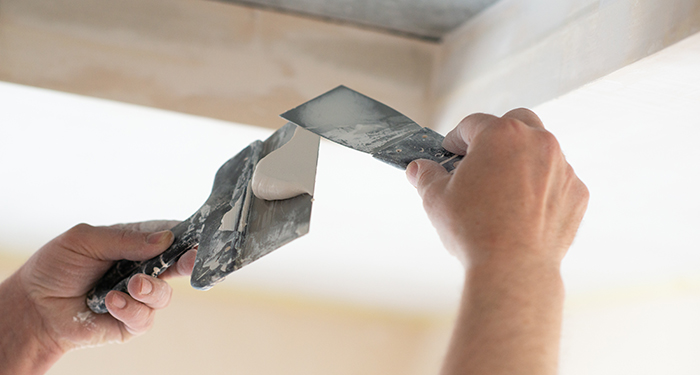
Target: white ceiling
[[631, 136]]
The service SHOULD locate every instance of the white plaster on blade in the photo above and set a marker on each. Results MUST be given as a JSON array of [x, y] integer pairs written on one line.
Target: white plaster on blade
[[288, 171], [230, 220]]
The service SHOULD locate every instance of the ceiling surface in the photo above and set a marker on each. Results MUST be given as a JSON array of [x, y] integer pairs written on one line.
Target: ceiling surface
[[424, 19]]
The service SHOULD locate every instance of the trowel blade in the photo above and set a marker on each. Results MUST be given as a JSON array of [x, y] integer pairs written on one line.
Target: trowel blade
[[259, 226], [274, 223], [221, 233]]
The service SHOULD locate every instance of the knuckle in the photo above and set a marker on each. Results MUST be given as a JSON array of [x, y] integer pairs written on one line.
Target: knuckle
[[507, 129], [427, 189], [549, 140], [525, 111], [585, 193], [162, 293], [579, 190], [78, 230], [465, 121], [548, 146], [140, 317], [166, 296], [138, 329], [511, 124], [425, 179], [159, 297], [125, 235], [75, 236], [433, 200], [519, 112]]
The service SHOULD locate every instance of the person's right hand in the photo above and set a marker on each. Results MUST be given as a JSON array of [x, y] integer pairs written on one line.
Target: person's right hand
[[512, 197], [509, 212]]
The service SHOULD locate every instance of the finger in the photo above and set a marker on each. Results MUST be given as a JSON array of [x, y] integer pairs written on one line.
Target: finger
[[136, 317], [151, 291], [183, 267], [148, 226], [105, 243], [527, 116], [425, 173], [458, 140]]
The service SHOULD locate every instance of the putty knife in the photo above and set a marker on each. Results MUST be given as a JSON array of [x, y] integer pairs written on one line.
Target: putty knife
[[354, 120], [233, 227]]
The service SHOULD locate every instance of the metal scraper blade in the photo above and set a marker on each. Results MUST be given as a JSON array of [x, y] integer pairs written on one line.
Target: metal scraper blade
[[354, 120], [252, 227], [351, 119]]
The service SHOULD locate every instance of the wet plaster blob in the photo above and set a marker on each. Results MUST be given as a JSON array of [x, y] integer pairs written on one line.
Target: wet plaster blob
[[290, 170]]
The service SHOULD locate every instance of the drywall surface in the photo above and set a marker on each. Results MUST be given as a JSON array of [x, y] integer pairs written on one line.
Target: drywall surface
[[521, 53]]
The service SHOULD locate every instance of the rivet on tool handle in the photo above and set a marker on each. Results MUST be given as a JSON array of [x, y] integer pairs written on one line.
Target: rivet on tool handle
[[423, 144]]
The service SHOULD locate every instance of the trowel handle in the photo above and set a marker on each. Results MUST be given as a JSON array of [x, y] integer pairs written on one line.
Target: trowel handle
[[118, 276], [423, 144]]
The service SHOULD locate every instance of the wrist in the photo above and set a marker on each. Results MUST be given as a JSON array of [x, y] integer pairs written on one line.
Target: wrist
[[518, 273], [25, 348], [510, 258]]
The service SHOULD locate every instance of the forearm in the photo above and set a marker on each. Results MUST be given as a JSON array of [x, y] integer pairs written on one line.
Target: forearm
[[22, 351], [509, 320]]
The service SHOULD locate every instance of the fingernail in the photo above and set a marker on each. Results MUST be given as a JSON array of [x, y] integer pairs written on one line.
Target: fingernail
[[146, 286], [158, 237], [412, 173], [118, 301]]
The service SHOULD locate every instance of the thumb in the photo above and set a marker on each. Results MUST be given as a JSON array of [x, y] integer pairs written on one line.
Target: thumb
[[424, 173], [109, 243]]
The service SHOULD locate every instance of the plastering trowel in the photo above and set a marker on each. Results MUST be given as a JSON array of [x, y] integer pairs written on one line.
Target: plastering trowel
[[232, 228], [354, 120]]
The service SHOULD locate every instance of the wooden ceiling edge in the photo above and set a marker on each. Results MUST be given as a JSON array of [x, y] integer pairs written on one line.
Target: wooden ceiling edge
[[208, 59]]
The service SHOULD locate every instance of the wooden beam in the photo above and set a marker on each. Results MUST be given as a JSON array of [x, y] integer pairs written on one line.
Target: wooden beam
[[205, 58]]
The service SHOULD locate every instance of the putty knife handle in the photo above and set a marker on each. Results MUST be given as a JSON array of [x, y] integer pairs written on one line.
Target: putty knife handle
[[118, 276], [423, 144]]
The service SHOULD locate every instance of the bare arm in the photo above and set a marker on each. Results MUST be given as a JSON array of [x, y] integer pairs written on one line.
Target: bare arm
[[509, 212], [42, 305]]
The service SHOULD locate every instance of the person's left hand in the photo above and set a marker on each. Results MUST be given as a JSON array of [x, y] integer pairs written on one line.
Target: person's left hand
[[57, 278]]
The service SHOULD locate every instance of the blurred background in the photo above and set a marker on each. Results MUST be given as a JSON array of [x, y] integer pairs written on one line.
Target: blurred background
[[123, 111]]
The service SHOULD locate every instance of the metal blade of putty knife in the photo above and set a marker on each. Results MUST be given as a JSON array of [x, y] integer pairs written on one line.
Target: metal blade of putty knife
[[232, 228], [259, 226], [351, 119]]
